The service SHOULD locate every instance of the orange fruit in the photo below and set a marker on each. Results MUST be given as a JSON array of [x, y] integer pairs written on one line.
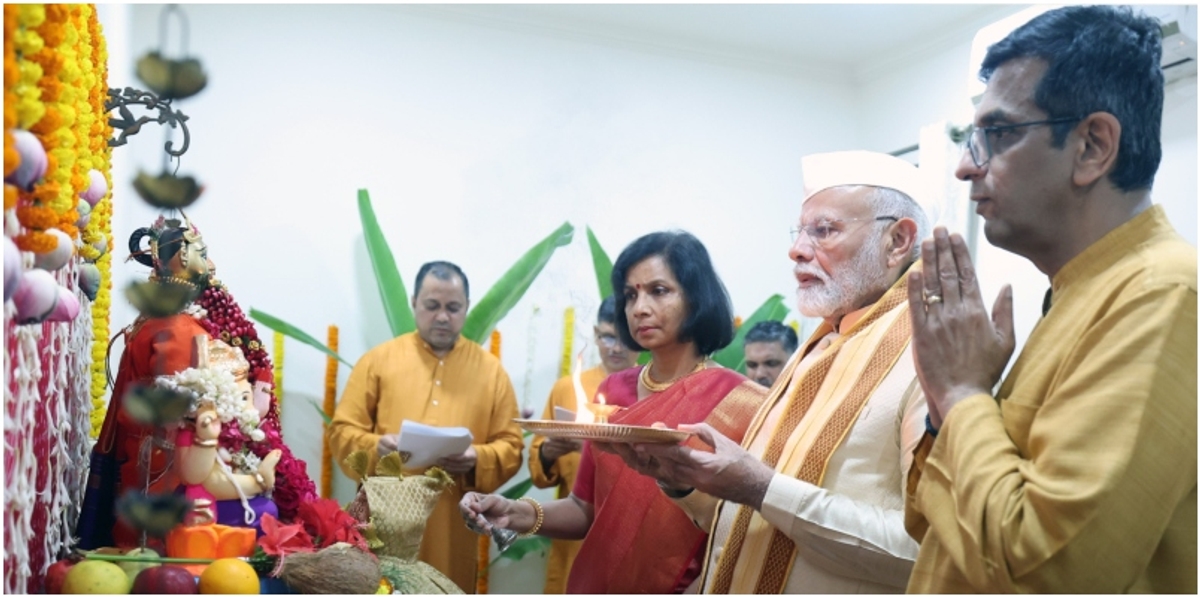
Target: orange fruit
[[229, 576]]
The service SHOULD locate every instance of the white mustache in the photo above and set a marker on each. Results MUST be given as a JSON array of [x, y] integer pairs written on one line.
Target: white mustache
[[803, 270]]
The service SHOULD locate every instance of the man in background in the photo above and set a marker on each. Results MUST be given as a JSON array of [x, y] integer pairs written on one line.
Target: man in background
[[1079, 474], [554, 462], [768, 346], [436, 377]]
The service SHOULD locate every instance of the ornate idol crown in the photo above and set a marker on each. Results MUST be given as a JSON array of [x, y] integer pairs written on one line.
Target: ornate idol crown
[[216, 354]]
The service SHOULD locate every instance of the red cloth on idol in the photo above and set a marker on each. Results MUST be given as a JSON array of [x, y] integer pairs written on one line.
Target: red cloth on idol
[[161, 346], [640, 542]]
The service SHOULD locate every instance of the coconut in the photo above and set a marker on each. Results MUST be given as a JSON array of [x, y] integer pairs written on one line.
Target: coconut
[[89, 280], [85, 214], [66, 308], [59, 255], [97, 188], [33, 160], [337, 569], [36, 297], [12, 268]]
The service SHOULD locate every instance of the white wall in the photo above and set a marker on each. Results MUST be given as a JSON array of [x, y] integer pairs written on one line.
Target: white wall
[[477, 139], [929, 84], [475, 142]]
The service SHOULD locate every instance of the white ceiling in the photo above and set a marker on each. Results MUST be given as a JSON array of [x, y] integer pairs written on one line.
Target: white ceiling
[[825, 37]]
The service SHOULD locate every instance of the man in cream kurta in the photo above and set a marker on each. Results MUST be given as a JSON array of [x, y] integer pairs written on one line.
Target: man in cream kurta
[[813, 501], [1079, 474], [434, 376]]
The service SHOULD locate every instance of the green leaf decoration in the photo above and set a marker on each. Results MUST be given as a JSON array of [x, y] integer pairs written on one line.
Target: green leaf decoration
[[508, 290], [602, 264], [734, 356], [324, 416], [518, 491], [391, 287], [288, 329], [523, 547]]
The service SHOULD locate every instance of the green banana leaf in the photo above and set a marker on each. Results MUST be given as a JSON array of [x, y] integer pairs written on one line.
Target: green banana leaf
[[321, 410], [288, 329], [518, 491], [734, 356], [523, 547], [391, 286], [508, 290], [602, 264]]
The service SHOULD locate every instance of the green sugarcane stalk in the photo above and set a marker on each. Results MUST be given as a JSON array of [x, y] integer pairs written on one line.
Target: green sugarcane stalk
[[124, 558]]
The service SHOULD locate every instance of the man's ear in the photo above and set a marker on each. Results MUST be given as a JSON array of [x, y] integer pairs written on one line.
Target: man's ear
[[902, 237], [1100, 136]]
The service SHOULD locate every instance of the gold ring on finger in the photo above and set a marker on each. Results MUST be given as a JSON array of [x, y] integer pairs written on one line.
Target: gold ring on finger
[[933, 299]]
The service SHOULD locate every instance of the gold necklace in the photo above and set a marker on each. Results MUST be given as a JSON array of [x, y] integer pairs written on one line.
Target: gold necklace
[[654, 386]]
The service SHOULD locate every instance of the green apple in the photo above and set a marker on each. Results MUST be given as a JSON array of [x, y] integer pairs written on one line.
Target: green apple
[[132, 569]]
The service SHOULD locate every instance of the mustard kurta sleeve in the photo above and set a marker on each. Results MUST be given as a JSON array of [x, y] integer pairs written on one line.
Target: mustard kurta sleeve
[[353, 426], [562, 472], [1089, 487], [498, 459]]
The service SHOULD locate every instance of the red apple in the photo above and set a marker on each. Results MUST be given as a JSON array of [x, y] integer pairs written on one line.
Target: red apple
[[168, 579], [57, 573]]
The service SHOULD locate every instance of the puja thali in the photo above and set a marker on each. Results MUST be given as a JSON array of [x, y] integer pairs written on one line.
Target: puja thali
[[603, 432]]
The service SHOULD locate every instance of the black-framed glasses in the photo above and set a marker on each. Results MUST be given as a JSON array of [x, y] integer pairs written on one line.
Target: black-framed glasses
[[824, 231], [980, 140]]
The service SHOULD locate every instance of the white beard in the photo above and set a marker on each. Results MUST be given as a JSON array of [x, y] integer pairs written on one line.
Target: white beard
[[865, 274]]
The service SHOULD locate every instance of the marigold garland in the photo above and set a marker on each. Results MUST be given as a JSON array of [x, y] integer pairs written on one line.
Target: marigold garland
[[331, 372], [277, 370], [564, 368]]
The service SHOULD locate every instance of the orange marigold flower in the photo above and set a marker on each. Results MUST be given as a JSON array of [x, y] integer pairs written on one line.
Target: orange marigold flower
[[36, 242], [12, 159], [10, 196], [36, 217]]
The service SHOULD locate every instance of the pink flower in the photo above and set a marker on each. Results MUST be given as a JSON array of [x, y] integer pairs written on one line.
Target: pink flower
[[280, 539]]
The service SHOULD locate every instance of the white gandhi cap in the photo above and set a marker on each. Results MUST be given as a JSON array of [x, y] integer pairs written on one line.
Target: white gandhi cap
[[839, 168]]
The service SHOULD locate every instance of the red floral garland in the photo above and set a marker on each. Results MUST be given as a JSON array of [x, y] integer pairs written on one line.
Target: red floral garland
[[226, 320]]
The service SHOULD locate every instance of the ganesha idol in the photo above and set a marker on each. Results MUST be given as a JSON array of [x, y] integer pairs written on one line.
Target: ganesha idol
[[228, 484]]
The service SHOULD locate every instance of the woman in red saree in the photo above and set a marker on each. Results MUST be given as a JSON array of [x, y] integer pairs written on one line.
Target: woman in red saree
[[671, 303]]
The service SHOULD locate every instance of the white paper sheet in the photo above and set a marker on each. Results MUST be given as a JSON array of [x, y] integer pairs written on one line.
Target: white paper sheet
[[426, 444], [562, 414]]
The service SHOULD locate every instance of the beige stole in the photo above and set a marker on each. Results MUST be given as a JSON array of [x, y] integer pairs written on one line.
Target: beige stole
[[758, 558]]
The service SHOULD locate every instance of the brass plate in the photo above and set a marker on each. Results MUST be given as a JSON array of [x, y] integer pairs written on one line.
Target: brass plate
[[603, 432]]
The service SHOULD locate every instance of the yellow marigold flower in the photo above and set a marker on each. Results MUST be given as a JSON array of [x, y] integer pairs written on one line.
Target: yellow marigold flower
[[31, 15]]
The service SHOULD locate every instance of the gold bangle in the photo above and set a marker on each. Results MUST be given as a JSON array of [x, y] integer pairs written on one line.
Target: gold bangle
[[541, 517]]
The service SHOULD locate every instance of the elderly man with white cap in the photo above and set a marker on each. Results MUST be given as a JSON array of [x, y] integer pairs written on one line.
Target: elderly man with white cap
[[812, 501]]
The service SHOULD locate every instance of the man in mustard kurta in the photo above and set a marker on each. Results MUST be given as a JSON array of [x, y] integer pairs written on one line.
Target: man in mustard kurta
[[434, 376], [1079, 474], [554, 462]]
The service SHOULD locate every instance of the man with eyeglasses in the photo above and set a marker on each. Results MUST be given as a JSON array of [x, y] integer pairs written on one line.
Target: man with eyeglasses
[[1078, 475], [554, 462], [812, 501]]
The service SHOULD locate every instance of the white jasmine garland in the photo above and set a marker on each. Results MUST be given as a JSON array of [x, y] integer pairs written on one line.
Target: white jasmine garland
[[219, 389], [245, 463]]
